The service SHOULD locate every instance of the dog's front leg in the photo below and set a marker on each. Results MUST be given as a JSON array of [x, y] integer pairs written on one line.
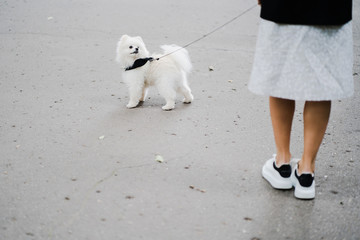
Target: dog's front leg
[[135, 93], [144, 93]]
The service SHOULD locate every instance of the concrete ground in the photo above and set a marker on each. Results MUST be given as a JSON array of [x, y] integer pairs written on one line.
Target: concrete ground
[[76, 164]]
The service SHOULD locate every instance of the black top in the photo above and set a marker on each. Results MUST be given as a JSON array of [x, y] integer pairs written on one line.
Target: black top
[[307, 12]]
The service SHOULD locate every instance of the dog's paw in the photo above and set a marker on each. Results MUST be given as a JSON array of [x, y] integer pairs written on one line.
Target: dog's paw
[[168, 107], [188, 98], [187, 101], [132, 104]]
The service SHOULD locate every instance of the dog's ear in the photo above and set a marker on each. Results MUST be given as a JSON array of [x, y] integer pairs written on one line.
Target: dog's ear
[[124, 37]]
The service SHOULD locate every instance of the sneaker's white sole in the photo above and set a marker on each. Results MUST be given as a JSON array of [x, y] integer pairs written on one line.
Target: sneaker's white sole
[[302, 192], [274, 182]]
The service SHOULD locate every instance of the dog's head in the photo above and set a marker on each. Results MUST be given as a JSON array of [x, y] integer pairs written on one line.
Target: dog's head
[[129, 49]]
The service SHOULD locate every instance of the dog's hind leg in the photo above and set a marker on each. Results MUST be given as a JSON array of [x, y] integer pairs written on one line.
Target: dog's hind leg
[[169, 94], [186, 91], [170, 104], [170, 101], [188, 97]]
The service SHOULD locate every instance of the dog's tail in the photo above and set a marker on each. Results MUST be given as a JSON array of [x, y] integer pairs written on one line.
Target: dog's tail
[[180, 56]]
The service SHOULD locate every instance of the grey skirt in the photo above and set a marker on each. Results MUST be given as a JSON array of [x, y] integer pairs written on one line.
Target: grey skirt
[[301, 62]]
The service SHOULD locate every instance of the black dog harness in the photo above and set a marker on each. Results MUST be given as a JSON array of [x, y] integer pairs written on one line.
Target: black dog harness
[[140, 62]]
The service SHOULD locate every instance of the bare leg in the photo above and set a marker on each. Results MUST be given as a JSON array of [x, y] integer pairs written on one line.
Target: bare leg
[[316, 118], [282, 113]]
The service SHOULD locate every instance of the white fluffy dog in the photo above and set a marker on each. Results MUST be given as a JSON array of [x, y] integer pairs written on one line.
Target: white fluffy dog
[[168, 74]]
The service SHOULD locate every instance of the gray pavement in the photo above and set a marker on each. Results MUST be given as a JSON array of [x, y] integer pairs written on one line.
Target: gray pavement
[[76, 164]]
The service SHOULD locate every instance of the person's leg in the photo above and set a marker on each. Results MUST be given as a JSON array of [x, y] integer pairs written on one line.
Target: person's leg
[[282, 113], [316, 118], [278, 171]]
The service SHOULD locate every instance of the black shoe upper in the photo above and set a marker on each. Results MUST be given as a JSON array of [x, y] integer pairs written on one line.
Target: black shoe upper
[[284, 170], [305, 179]]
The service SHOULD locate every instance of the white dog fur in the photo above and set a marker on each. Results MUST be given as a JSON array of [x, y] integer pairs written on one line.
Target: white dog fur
[[168, 74]]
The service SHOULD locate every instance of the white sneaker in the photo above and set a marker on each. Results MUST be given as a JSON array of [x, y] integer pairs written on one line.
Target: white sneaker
[[278, 177], [304, 184]]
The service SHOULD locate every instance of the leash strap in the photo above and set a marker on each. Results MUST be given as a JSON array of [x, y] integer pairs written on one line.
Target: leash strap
[[214, 30], [142, 61]]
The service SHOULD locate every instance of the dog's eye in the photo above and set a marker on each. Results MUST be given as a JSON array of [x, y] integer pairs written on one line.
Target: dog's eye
[[131, 47]]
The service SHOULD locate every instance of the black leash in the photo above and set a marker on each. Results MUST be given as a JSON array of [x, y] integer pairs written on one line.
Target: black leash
[[142, 61]]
